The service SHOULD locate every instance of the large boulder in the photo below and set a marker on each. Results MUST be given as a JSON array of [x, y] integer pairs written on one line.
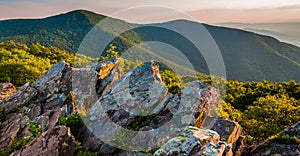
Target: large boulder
[[88, 83], [192, 105], [188, 108], [136, 93], [193, 141], [53, 87]]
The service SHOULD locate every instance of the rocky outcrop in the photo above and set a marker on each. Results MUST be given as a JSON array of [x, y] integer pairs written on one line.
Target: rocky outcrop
[[5, 90], [44, 101], [123, 115], [55, 141]]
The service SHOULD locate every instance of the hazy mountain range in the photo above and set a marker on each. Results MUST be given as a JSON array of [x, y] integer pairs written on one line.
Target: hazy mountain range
[[285, 31], [248, 56]]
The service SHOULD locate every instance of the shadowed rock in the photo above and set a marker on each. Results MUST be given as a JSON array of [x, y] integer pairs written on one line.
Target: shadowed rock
[[11, 128], [55, 141]]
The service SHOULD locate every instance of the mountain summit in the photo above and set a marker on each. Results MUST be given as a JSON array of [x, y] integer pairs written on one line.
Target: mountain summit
[[247, 56]]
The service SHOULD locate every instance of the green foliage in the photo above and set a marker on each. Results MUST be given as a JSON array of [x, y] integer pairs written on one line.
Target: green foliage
[[86, 152], [20, 64], [284, 139], [171, 80], [109, 53], [74, 121], [127, 65], [34, 129], [262, 108], [66, 31]]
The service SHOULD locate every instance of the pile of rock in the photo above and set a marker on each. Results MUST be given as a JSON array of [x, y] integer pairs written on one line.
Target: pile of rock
[[112, 103]]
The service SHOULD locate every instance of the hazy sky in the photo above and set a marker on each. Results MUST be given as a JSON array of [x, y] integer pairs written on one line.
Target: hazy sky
[[210, 11]]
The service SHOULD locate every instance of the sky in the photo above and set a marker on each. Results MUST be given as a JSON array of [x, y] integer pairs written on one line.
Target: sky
[[141, 11]]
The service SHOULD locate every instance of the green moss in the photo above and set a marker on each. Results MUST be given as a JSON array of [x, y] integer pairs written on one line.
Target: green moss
[[86, 153]]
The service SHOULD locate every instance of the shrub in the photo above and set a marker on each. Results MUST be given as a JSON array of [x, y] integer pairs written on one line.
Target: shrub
[[74, 121]]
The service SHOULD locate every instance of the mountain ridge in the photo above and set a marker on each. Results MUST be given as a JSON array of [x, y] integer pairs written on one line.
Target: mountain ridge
[[248, 56]]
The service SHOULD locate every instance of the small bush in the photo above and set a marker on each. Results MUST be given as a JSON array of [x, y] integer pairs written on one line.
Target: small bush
[[73, 121], [34, 129]]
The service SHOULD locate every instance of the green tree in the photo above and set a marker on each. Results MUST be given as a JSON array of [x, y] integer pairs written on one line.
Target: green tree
[[109, 53], [171, 80]]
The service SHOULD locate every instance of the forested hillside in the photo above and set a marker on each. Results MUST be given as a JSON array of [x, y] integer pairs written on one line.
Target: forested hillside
[[247, 56]]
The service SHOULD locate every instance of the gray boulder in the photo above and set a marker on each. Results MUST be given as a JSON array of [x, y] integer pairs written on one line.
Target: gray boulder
[[193, 141]]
